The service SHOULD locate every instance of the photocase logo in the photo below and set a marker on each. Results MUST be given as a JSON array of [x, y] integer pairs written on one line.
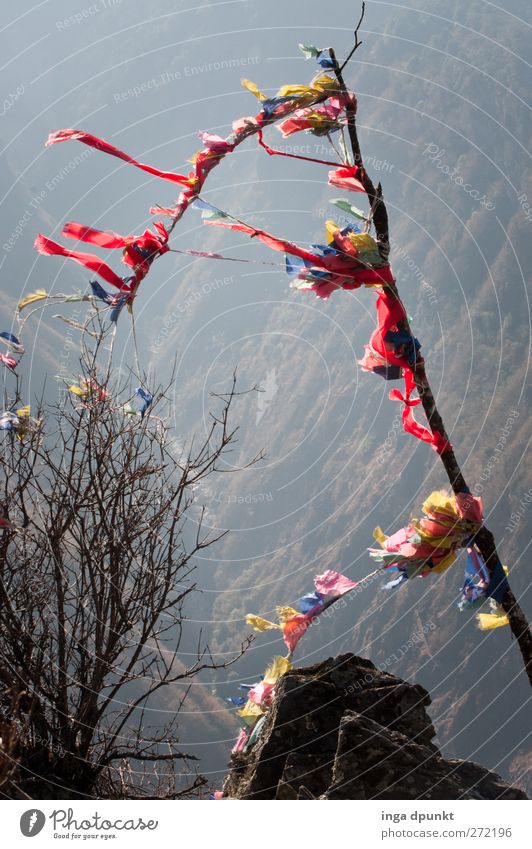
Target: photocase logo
[[267, 394], [32, 822]]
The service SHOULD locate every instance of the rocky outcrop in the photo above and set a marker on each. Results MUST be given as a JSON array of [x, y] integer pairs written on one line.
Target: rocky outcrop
[[344, 730]]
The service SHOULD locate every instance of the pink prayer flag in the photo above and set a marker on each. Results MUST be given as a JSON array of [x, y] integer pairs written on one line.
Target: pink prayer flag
[[215, 143], [241, 741], [10, 362], [260, 693], [242, 124], [469, 507], [399, 538]]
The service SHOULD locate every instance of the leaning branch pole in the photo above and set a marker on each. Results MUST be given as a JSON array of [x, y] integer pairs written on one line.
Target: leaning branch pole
[[484, 539]]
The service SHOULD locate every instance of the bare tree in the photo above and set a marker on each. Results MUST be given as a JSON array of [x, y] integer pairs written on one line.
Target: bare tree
[[96, 565]]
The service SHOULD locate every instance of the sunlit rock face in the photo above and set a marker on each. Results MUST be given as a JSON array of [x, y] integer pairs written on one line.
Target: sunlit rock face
[[342, 729]]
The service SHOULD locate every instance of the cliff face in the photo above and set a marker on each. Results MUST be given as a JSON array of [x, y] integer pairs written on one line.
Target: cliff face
[[344, 730]]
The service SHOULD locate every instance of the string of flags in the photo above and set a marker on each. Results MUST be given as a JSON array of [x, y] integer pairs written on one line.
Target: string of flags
[[320, 102], [349, 258], [293, 624], [294, 621], [288, 100], [425, 546]]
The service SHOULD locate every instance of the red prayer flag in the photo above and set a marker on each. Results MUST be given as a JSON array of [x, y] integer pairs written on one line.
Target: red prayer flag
[[345, 178], [105, 147], [91, 261]]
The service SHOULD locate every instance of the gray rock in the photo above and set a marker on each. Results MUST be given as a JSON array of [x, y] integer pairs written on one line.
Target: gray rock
[[344, 730]]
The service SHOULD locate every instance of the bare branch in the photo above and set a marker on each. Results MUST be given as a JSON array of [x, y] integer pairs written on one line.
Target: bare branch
[[357, 42]]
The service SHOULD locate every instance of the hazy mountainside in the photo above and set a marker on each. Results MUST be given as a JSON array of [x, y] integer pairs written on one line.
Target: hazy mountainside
[[442, 104]]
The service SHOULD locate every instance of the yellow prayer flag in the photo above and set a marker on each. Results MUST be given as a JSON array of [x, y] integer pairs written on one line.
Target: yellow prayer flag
[[331, 229], [486, 621], [250, 712], [77, 390], [379, 536], [277, 667], [440, 502], [363, 242], [285, 613], [319, 86], [260, 624], [253, 88], [317, 121], [324, 82], [296, 91], [33, 297]]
